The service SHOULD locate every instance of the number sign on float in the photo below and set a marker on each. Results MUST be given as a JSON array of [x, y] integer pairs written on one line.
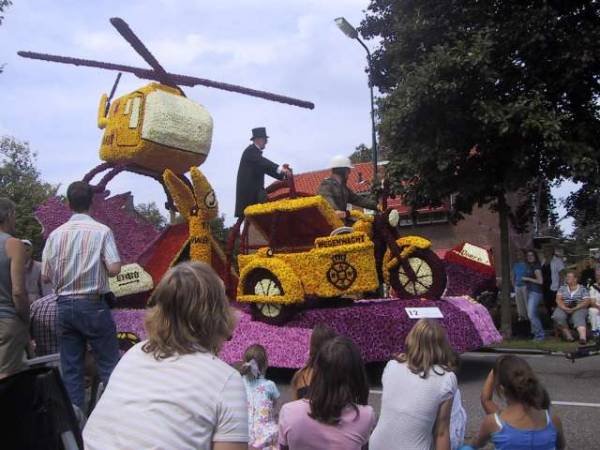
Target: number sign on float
[[424, 313]]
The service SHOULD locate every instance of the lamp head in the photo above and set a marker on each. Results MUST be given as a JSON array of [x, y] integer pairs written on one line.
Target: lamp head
[[346, 28]]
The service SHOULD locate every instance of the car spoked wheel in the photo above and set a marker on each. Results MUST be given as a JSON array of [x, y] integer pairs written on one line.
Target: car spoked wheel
[[269, 310], [265, 284], [421, 275]]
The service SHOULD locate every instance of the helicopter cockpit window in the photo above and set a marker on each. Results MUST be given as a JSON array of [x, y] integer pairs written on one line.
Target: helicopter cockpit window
[[127, 107], [135, 112]]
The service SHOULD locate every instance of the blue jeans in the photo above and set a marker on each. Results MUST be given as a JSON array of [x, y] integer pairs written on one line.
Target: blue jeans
[[533, 301], [83, 320]]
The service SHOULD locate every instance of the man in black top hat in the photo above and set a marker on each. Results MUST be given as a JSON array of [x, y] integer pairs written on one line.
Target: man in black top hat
[[250, 187]]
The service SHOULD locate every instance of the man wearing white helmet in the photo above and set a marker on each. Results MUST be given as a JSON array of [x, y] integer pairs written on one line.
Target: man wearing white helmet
[[337, 193]]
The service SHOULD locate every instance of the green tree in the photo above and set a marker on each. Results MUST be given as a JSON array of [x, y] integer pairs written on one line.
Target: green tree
[[3, 5], [361, 154], [219, 231], [584, 207], [482, 98], [152, 214], [20, 181]]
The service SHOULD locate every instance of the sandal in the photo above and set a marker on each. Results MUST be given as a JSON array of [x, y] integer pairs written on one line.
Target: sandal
[[582, 342]]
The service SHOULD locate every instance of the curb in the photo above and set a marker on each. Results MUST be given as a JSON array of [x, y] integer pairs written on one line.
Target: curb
[[522, 351]]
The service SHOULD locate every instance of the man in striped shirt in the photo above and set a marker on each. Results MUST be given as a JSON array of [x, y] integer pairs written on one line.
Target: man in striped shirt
[[78, 258]]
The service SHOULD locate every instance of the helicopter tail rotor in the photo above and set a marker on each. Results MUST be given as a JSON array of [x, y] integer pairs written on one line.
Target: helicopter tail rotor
[[112, 93]]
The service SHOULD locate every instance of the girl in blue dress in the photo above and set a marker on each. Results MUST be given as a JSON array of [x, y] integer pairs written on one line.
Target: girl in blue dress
[[526, 422]]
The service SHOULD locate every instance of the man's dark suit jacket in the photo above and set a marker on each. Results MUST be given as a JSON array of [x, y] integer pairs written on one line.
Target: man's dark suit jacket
[[250, 187]]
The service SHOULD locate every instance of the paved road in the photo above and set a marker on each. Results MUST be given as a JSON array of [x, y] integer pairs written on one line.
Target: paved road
[[568, 384]]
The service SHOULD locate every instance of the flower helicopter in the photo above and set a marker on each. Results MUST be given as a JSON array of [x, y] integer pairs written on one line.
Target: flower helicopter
[[155, 127]]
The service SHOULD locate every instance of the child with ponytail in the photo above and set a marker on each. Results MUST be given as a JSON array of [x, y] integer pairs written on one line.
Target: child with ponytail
[[262, 396], [526, 422]]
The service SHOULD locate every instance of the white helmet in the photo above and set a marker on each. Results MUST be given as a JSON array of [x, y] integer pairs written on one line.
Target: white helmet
[[339, 161]]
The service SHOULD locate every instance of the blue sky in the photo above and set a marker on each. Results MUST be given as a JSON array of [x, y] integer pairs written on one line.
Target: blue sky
[[290, 47]]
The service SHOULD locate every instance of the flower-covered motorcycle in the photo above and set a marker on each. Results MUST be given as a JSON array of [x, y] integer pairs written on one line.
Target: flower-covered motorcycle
[[296, 249]]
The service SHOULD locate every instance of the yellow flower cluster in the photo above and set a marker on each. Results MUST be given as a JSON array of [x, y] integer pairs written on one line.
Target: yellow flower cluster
[[206, 199], [198, 207], [364, 226], [180, 193], [291, 287], [314, 273], [200, 245], [156, 145]]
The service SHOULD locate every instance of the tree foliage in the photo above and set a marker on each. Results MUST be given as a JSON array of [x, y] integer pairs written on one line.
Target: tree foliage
[[487, 98], [3, 5], [584, 207], [20, 181], [152, 214], [361, 154]]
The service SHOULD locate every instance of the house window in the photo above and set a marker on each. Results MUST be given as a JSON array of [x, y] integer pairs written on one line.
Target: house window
[[424, 218]]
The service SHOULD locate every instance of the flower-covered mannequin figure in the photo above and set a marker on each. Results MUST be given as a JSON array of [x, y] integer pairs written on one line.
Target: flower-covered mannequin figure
[[198, 206]]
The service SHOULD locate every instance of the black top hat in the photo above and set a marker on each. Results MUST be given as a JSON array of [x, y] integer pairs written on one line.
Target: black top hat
[[260, 132]]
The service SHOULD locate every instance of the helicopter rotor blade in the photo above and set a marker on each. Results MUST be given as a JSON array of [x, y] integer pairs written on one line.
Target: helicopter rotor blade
[[146, 74], [182, 80], [128, 34], [187, 80]]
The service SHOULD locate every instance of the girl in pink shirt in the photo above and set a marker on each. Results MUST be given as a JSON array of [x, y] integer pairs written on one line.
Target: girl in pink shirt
[[336, 415]]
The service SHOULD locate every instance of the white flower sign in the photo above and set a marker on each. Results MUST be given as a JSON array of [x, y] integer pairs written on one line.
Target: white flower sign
[[133, 279]]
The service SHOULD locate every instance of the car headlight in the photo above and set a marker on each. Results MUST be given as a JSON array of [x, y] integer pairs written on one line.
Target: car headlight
[[394, 218]]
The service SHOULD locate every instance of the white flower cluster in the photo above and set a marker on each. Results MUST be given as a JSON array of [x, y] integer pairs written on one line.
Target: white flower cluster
[[177, 122], [133, 279]]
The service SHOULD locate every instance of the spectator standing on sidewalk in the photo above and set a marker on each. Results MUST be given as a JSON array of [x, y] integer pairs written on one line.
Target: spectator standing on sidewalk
[[534, 282], [78, 258], [43, 325], [519, 269], [553, 265], [36, 288], [14, 305]]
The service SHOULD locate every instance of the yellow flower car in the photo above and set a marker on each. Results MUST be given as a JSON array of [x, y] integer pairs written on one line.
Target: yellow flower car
[[297, 249]]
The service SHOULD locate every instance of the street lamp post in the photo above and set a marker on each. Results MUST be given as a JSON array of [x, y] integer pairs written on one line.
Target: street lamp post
[[351, 32]]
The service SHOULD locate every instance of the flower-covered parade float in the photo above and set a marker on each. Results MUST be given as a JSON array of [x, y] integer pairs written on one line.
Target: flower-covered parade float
[[305, 268]]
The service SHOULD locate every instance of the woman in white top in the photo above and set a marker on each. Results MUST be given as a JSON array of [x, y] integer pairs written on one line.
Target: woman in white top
[[171, 392], [418, 388]]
